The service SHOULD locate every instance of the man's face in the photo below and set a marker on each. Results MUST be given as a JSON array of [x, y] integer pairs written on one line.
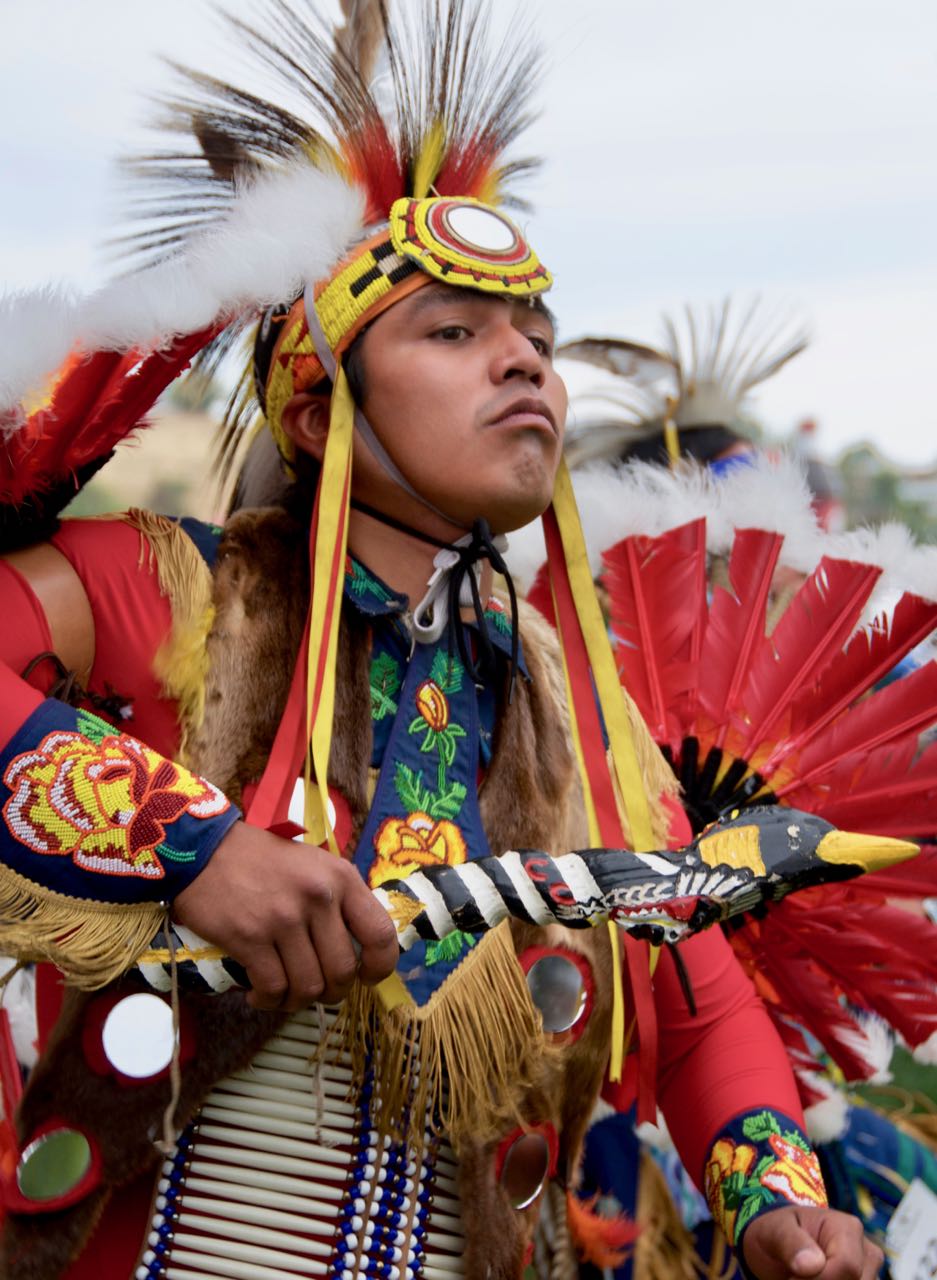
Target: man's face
[[461, 391]]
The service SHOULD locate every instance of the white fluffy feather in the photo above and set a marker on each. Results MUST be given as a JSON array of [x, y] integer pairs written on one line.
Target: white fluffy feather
[[617, 501], [872, 1040], [280, 232], [827, 1120], [19, 1000], [36, 331]]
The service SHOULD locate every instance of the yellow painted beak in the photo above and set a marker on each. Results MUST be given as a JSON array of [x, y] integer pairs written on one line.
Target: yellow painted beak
[[871, 853]]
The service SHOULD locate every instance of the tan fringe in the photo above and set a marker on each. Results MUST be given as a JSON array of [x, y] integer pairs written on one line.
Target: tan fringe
[[185, 579], [464, 1060], [92, 943], [664, 1250]]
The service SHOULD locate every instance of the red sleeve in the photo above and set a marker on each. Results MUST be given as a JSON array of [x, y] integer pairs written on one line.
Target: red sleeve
[[24, 635], [726, 1060], [131, 621]]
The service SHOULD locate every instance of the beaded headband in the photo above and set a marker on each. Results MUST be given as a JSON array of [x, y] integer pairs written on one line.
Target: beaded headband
[[458, 241]]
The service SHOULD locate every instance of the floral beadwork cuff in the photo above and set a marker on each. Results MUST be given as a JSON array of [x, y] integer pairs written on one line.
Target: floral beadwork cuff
[[91, 812], [762, 1161]]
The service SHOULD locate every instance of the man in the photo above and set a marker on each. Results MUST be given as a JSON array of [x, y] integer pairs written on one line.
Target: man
[[428, 732]]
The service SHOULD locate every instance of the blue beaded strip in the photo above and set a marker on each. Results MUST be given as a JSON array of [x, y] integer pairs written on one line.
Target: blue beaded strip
[[169, 1190], [360, 1183], [424, 1202]]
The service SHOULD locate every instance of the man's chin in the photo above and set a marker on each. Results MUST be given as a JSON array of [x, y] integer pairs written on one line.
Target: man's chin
[[508, 517]]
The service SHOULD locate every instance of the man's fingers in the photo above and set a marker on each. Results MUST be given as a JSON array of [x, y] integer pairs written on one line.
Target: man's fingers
[[336, 953], [776, 1247], [873, 1259], [269, 983], [844, 1244], [373, 928], [303, 970]]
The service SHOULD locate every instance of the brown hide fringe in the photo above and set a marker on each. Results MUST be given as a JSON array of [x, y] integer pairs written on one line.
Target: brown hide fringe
[[92, 943], [466, 1059], [185, 579], [124, 1122]]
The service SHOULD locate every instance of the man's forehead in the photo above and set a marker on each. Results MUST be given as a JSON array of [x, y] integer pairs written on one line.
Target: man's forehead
[[435, 295]]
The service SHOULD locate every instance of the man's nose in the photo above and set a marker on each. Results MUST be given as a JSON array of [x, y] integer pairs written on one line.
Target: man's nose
[[517, 357]]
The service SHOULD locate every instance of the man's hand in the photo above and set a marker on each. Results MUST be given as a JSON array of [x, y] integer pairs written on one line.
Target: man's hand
[[289, 914], [810, 1243]]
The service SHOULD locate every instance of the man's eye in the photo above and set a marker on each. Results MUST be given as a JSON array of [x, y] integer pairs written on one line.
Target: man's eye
[[543, 346], [451, 332]]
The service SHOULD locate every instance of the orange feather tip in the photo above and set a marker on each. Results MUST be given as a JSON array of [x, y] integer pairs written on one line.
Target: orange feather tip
[[605, 1242]]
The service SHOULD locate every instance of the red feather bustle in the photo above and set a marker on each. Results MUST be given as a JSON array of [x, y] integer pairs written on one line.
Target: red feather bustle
[[746, 711], [657, 593]]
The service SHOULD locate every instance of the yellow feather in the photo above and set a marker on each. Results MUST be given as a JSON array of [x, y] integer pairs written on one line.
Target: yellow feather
[[430, 159]]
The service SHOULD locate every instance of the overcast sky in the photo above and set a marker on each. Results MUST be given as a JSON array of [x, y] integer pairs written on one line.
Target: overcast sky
[[694, 150]]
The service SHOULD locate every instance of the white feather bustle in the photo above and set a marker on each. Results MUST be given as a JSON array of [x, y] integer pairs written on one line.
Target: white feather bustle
[[279, 233], [617, 501]]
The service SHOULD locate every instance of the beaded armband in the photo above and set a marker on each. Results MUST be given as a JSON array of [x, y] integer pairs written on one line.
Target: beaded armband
[[762, 1161], [92, 813]]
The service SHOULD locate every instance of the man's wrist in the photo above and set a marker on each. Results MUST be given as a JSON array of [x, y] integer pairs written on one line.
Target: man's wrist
[[760, 1162]]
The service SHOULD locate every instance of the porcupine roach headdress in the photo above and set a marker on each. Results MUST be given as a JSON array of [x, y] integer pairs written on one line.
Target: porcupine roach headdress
[[338, 219], [759, 650]]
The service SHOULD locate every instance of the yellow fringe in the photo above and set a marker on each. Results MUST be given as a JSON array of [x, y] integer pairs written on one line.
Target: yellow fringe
[[92, 943], [464, 1060], [185, 579]]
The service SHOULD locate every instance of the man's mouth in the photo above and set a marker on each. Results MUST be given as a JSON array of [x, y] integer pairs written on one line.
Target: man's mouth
[[529, 411]]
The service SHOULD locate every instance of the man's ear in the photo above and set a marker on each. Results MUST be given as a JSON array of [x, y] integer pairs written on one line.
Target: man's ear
[[305, 420]]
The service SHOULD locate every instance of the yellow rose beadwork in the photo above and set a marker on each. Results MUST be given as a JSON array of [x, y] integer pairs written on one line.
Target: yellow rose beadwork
[[105, 803]]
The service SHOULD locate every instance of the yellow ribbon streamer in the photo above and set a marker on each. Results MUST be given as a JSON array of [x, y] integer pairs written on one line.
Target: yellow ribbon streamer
[[602, 661], [331, 539]]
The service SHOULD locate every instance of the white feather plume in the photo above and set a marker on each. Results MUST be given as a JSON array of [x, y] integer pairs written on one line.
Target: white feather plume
[[36, 331], [617, 501], [282, 231], [19, 1000]]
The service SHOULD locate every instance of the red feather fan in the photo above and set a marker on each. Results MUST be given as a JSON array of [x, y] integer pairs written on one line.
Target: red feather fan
[[657, 591], [736, 625], [792, 716]]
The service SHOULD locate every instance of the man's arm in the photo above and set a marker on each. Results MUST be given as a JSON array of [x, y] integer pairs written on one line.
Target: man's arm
[[79, 799], [730, 1100]]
